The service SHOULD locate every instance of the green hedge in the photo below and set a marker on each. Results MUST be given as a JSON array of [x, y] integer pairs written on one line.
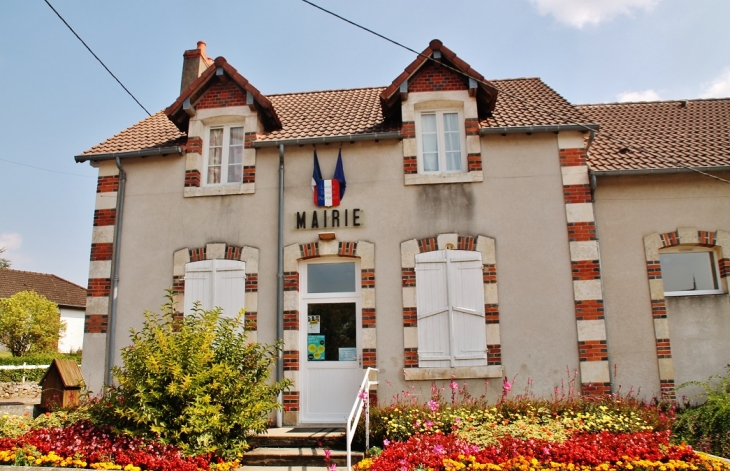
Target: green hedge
[[16, 376]]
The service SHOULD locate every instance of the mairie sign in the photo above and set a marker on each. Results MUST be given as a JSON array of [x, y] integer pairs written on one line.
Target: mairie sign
[[328, 218]]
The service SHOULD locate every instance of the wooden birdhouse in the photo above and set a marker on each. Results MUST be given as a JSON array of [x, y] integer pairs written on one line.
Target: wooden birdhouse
[[61, 385]]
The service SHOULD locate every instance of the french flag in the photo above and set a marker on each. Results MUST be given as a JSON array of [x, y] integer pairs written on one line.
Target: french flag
[[328, 193]]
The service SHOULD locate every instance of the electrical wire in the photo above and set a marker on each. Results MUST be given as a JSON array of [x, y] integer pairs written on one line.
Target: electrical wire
[[46, 169], [97, 57], [520, 99]]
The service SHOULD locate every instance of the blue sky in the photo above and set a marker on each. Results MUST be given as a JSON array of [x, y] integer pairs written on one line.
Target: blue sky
[[58, 101]]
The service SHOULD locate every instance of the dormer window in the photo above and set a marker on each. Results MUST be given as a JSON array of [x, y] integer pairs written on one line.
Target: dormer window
[[441, 142], [224, 155]]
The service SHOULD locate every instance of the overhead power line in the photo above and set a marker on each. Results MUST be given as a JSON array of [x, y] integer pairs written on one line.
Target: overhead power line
[[97, 57], [520, 99], [46, 169]]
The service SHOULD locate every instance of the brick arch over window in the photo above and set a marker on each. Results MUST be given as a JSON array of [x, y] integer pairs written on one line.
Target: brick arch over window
[[221, 251], [653, 243], [486, 246], [363, 250]]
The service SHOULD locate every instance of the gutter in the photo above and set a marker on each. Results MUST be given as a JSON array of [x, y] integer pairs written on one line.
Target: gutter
[[124, 155], [538, 129], [658, 171], [117, 157], [376, 136]]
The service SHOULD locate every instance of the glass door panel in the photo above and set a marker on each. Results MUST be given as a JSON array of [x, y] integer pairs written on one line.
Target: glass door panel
[[331, 332]]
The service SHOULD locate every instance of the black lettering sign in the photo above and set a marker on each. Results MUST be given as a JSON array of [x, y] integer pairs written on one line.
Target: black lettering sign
[[356, 217], [336, 218], [301, 220], [315, 222]]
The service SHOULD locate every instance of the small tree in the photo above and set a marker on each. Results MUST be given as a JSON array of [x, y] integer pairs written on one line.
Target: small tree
[[4, 262], [30, 323], [195, 382]]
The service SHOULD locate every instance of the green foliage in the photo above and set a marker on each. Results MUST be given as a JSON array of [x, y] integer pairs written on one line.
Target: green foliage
[[195, 382], [16, 376], [4, 262], [707, 426], [30, 323], [12, 426]]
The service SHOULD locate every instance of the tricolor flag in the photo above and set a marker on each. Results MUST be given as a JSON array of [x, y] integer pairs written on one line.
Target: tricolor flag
[[328, 193]]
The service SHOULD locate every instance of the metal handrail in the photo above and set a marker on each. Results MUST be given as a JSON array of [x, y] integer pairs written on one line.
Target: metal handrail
[[361, 401]]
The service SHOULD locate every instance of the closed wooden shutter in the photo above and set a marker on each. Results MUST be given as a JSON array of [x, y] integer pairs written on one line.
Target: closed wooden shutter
[[215, 283], [450, 304], [230, 286]]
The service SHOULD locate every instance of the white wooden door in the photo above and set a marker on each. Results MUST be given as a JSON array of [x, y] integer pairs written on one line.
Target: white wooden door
[[330, 330]]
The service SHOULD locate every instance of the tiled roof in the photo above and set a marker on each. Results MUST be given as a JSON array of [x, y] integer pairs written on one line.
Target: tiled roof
[[530, 102], [329, 113], [662, 134], [58, 290], [155, 131]]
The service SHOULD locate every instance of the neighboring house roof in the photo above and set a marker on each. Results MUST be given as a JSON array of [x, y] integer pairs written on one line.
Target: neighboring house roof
[[60, 291], [660, 134]]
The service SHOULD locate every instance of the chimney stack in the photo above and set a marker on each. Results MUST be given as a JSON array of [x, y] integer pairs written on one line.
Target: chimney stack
[[194, 63]]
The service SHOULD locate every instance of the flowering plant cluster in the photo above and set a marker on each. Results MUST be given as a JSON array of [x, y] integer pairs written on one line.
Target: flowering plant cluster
[[86, 445], [604, 451]]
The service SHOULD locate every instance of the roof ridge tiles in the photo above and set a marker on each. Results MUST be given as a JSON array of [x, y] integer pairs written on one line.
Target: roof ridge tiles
[[649, 102]]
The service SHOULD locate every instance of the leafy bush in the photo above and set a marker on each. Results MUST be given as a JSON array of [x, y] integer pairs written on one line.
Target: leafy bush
[[16, 376], [707, 426], [30, 323], [195, 382]]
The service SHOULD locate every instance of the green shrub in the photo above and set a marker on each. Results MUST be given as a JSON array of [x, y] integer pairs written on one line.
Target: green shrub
[[16, 376], [30, 323], [195, 382], [707, 426]]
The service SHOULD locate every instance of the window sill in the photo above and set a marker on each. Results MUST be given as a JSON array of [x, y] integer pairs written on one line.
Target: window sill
[[220, 190], [461, 372], [434, 179], [674, 294]]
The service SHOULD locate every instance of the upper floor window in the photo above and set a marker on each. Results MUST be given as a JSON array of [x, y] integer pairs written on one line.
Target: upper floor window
[[441, 142], [224, 155], [690, 270]]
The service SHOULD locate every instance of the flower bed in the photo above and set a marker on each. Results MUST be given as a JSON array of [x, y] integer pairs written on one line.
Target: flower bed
[[85, 445]]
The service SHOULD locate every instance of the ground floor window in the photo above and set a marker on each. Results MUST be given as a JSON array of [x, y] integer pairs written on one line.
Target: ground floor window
[[216, 283], [450, 309]]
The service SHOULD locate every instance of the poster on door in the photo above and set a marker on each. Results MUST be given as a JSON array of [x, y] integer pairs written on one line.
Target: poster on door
[[313, 324], [315, 347]]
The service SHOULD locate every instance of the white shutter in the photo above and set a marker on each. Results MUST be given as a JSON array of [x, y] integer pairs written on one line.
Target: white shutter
[[198, 285], [433, 310], [466, 293], [230, 286], [450, 304]]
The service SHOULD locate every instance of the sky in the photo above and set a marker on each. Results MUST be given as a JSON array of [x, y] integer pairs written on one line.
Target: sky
[[58, 101]]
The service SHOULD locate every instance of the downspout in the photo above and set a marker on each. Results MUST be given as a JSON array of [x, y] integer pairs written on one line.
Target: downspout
[[111, 328], [280, 285]]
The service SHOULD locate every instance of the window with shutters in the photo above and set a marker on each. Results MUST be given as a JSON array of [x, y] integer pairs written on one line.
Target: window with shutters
[[216, 283], [450, 309]]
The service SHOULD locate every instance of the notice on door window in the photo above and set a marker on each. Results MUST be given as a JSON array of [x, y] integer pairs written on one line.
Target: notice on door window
[[313, 324], [348, 354], [315, 347]]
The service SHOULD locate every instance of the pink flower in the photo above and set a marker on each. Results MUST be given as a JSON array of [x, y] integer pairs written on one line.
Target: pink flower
[[327, 454], [433, 405], [386, 442], [363, 395], [506, 387], [428, 424], [332, 467], [453, 384]]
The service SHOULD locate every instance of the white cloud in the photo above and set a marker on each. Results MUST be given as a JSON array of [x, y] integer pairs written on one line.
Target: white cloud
[[645, 95], [579, 13], [719, 88], [11, 240]]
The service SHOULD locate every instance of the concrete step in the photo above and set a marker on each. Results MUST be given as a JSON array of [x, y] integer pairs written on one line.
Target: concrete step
[[275, 468], [296, 437], [303, 456]]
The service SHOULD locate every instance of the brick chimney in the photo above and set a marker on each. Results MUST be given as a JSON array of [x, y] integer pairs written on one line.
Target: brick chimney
[[194, 63]]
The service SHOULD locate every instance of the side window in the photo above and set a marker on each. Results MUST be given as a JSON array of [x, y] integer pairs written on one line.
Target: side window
[[441, 142], [450, 309], [216, 283], [690, 270], [224, 155]]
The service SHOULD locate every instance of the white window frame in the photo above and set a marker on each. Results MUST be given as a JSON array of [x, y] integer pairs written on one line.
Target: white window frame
[[439, 113], [451, 359], [225, 153], [714, 266], [214, 267]]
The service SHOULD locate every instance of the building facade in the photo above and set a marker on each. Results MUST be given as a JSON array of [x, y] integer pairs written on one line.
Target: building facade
[[444, 227]]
